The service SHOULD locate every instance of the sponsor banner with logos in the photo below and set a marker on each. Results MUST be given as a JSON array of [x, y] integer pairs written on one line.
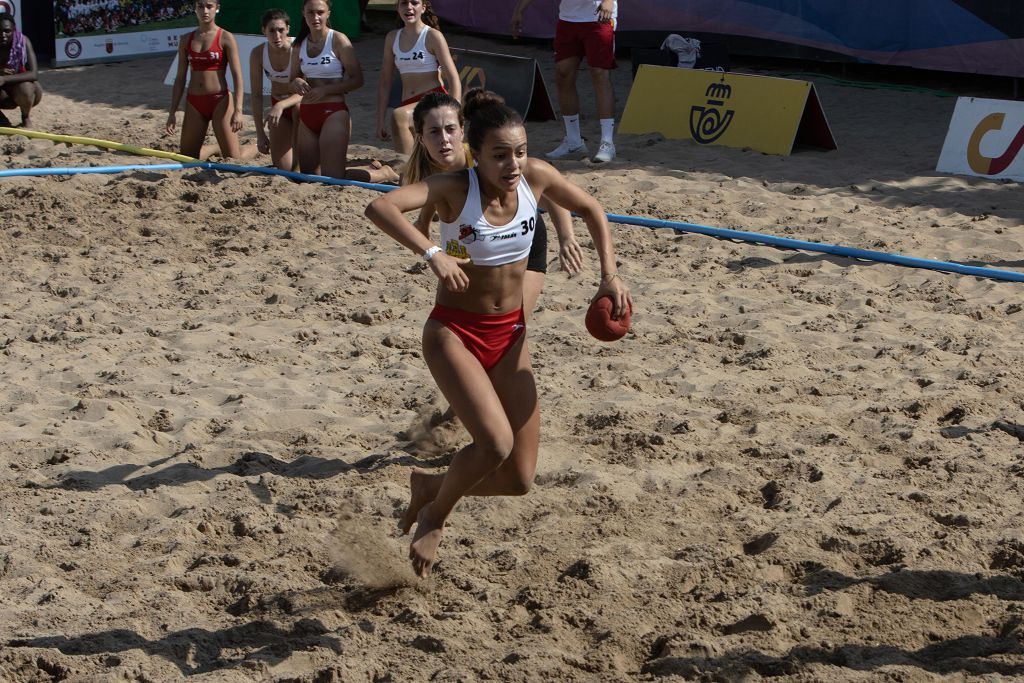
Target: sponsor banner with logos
[[115, 46], [985, 139], [517, 79], [708, 107], [12, 7]]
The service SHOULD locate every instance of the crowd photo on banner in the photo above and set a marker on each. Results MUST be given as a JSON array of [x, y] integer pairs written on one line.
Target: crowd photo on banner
[[75, 17]]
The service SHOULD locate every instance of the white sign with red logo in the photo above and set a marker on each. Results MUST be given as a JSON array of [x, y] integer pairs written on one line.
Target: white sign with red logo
[[985, 139], [116, 46], [12, 7]]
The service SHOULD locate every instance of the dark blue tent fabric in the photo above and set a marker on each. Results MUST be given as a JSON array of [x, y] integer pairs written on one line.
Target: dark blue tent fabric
[[973, 36], [886, 25]]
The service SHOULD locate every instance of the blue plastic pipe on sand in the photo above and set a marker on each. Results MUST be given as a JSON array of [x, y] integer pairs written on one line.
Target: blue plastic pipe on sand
[[11, 172], [834, 249], [200, 165], [677, 226], [301, 177]]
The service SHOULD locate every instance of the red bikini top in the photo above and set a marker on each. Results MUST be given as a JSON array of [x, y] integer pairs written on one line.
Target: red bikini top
[[211, 60]]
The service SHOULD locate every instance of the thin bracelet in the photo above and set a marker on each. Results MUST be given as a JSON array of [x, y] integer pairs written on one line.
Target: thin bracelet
[[609, 278]]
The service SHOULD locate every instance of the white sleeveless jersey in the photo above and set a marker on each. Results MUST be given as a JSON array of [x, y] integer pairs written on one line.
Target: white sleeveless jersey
[[324, 65], [418, 60], [272, 73], [579, 11], [472, 236]]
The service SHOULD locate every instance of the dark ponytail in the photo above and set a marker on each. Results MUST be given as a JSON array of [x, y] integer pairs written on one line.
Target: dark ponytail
[[486, 111]]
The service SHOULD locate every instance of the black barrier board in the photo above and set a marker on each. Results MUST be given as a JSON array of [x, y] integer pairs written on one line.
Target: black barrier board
[[517, 79], [814, 130]]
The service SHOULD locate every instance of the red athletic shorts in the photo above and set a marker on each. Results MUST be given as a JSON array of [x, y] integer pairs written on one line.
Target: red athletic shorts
[[488, 337], [594, 40], [206, 105], [314, 115], [417, 98]]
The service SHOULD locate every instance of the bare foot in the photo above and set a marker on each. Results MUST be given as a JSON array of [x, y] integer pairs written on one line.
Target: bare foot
[[420, 493], [387, 174], [26, 123], [207, 151], [249, 151], [423, 549]]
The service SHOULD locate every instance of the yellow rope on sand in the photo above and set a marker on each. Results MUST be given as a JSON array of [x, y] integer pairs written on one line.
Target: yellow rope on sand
[[95, 142]]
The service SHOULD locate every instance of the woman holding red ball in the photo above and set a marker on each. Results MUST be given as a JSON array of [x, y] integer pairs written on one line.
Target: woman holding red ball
[[474, 340]]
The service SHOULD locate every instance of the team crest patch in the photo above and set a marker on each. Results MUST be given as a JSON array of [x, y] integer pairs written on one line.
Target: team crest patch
[[467, 234]]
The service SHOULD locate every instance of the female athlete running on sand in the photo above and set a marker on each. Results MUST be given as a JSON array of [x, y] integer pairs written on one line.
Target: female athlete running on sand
[[473, 340], [439, 128]]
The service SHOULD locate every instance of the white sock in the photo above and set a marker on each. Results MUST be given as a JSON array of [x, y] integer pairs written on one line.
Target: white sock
[[608, 130], [572, 130]]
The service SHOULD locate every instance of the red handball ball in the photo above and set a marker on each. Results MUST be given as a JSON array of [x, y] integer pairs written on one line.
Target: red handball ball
[[600, 323]]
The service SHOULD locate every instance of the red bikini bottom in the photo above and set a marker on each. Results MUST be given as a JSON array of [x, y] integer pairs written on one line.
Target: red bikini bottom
[[486, 336], [314, 115], [417, 98], [206, 105]]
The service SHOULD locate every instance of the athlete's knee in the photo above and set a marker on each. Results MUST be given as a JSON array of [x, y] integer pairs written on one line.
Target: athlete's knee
[[520, 483], [565, 72], [403, 116], [495, 447]]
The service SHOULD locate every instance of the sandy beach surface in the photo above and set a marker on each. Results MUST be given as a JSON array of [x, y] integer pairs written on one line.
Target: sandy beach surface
[[795, 467]]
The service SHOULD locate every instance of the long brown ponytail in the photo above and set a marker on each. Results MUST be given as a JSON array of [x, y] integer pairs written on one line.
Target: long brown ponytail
[[429, 18]]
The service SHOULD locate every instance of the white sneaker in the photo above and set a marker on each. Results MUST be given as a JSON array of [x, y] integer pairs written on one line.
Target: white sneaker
[[606, 152], [567, 148]]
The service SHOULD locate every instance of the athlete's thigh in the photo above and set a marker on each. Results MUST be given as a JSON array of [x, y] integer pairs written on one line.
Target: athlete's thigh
[[464, 383], [221, 122], [193, 131], [403, 115], [334, 138], [513, 382], [308, 144], [281, 138]]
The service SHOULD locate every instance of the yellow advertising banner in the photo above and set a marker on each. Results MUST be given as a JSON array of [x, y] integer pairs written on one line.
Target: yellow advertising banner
[[722, 108]]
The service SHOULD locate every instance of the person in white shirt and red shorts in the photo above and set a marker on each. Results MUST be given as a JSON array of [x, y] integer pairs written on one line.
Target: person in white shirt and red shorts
[[585, 29]]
